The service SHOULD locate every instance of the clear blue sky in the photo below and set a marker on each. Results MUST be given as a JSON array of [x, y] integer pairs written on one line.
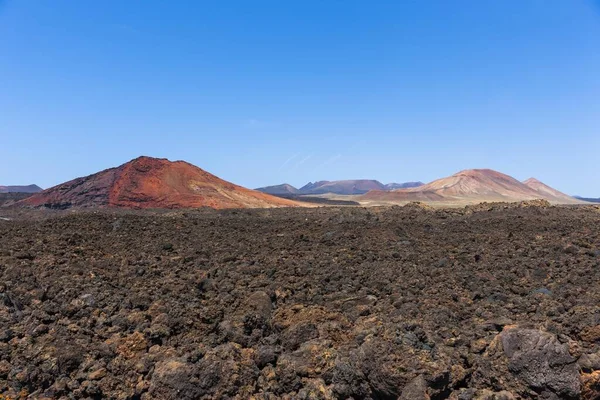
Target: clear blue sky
[[265, 92]]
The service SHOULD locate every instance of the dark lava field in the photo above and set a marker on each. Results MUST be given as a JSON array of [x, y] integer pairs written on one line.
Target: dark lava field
[[493, 301]]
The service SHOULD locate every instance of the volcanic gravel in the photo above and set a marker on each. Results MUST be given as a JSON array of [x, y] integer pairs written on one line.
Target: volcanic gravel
[[493, 301]]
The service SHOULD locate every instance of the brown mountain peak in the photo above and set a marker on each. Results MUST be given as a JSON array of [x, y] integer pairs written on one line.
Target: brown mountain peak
[[148, 182], [531, 181], [475, 185], [548, 192]]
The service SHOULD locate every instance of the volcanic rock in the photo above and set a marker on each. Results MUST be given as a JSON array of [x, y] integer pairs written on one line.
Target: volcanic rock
[[361, 316], [174, 379], [415, 390], [536, 358], [590, 386]]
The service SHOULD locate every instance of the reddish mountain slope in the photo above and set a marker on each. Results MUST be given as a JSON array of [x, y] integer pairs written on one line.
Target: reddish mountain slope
[[548, 192], [473, 185], [153, 183]]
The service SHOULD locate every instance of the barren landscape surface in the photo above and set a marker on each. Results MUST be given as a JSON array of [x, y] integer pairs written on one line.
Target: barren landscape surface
[[493, 301]]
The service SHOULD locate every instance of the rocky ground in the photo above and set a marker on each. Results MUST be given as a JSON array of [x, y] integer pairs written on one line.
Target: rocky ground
[[486, 302]]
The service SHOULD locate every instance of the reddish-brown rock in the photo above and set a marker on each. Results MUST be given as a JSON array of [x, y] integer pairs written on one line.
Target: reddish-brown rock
[[591, 334], [147, 182], [590, 386]]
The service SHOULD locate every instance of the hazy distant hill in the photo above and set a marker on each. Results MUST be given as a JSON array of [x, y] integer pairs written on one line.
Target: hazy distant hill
[[357, 186], [278, 190], [590, 199], [405, 185], [474, 185], [20, 189], [343, 187]]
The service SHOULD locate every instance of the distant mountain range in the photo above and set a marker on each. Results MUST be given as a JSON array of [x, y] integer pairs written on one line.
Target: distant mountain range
[[279, 190], [405, 185], [474, 185], [589, 199], [147, 182], [343, 187], [20, 189], [358, 186]]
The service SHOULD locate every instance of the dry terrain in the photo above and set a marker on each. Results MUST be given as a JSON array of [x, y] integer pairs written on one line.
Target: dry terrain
[[493, 301]]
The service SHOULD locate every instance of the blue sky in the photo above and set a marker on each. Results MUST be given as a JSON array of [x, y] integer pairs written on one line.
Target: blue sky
[[265, 92]]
